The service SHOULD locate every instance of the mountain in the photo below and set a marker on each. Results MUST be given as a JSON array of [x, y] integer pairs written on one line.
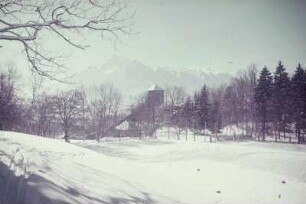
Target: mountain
[[133, 77]]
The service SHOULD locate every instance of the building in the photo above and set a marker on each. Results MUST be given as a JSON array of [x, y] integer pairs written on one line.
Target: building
[[155, 96], [132, 125]]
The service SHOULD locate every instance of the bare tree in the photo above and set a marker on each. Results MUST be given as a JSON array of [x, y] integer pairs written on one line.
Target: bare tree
[[245, 84], [36, 83], [240, 85], [9, 113], [179, 123], [84, 110], [216, 117], [105, 106], [67, 105], [139, 114], [44, 115], [175, 96], [24, 21], [237, 104], [252, 73]]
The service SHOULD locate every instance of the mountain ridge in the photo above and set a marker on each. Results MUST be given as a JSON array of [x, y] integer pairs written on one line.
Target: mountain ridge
[[134, 77]]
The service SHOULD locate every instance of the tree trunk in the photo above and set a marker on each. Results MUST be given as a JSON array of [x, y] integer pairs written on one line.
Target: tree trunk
[[186, 135], [263, 131], [66, 137], [279, 130], [275, 131], [284, 129], [298, 131]]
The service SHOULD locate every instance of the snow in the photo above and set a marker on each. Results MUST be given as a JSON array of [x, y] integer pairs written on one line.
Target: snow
[[186, 134], [155, 87], [156, 171], [123, 126], [232, 130]]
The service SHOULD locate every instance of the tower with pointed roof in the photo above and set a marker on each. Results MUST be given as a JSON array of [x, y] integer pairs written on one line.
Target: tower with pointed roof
[[155, 96]]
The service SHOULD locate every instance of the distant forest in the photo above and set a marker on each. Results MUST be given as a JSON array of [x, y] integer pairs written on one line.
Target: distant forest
[[261, 103]]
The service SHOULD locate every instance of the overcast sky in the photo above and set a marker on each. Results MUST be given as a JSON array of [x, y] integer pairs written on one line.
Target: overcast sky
[[221, 36]]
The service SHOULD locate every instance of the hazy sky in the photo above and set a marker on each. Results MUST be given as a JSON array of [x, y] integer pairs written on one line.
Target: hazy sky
[[200, 34]]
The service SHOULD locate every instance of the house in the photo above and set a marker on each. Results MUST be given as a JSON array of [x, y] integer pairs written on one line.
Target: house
[[127, 127]]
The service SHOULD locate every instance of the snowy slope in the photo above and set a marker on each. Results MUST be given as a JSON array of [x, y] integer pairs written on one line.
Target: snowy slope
[[194, 172], [57, 172], [159, 171]]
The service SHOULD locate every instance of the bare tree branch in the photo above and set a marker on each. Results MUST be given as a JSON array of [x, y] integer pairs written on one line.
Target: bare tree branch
[[22, 21]]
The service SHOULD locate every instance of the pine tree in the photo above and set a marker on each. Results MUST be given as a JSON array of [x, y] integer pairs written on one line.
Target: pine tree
[[299, 100], [202, 106], [281, 98], [263, 93]]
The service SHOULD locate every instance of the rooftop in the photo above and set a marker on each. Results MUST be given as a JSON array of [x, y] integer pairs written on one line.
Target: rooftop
[[155, 87]]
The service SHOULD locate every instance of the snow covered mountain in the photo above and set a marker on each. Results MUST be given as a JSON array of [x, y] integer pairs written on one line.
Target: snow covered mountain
[[133, 77]]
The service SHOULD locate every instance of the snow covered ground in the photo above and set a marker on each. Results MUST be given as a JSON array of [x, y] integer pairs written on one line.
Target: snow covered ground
[[150, 171]]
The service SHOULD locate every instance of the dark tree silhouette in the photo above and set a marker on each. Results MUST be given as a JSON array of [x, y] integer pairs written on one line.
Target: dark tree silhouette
[[281, 98], [299, 100], [9, 108], [202, 105], [67, 106], [263, 94]]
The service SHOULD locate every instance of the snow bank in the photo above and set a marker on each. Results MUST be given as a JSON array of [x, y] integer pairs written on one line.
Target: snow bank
[[184, 135], [38, 170], [150, 171], [246, 172], [232, 130]]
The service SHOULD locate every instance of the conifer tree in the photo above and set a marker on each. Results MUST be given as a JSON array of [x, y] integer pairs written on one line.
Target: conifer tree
[[263, 93], [202, 108], [299, 100], [281, 98]]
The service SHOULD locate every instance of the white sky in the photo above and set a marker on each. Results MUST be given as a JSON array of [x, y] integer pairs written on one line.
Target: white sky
[[198, 34]]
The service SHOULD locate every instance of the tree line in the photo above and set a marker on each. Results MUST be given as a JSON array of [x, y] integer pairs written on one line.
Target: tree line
[[65, 113], [259, 104], [268, 104]]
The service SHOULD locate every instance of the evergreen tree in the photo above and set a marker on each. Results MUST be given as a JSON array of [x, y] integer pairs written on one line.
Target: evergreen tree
[[299, 100], [263, 93], [281, 98], [202, 106]]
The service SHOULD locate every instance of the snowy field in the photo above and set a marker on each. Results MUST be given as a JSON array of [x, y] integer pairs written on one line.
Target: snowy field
[[149, 171]]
